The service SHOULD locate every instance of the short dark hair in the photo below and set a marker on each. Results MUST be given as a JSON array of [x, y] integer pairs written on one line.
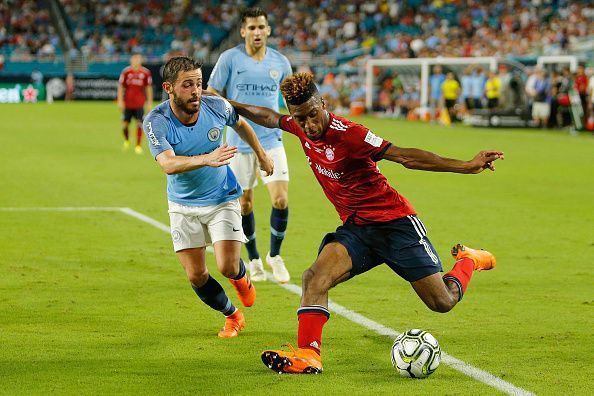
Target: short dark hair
[[179, 64], [299, 88], [253, 12]]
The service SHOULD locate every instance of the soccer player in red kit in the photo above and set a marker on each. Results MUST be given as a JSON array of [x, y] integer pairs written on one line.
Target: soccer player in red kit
[[379, 225], [135, 93]]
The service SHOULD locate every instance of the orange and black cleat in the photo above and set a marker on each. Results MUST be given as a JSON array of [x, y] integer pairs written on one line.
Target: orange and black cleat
[[483, 260], [233, 325], [300, 361], [245, 290]]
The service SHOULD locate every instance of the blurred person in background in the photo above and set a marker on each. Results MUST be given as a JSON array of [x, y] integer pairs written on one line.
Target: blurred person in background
[[493, 90], [435, 82], [135, 96], [581, 86], [329, 92], [478, 88], [541, 108], [450, 89], [466, 85]]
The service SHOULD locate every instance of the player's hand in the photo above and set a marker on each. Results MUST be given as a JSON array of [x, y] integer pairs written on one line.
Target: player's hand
[[266, 164], [220, 157], [484, 160], [121, 104]]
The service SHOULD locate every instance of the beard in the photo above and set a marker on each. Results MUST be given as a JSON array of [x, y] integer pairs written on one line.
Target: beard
[[185, 105]]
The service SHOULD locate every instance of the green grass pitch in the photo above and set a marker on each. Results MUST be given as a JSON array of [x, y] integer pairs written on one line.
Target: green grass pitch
[[96, 302]]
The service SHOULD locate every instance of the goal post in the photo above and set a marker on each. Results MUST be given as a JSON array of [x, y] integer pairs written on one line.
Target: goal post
[[417, 71], [554, 60]]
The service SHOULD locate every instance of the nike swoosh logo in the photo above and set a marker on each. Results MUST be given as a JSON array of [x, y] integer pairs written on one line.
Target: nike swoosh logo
[[235, 229], [285, 172], [241, 71]]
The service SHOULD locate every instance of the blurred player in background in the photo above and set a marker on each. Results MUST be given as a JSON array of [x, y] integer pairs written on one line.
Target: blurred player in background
[[251, 73], [379, 224], [185, 135], [450, 90], [135, 95]]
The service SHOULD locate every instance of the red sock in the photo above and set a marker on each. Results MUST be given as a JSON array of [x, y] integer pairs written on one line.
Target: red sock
[[461, 274], [125, 130], [311, 323], [138, 135]]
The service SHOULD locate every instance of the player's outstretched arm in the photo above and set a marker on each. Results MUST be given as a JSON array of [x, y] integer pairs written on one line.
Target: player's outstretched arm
[[247, 134], [260, 115], [172, 164], [413, 158]]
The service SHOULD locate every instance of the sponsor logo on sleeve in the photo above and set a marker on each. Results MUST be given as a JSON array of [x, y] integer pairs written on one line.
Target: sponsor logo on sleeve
[[373, 140], [151, 135]]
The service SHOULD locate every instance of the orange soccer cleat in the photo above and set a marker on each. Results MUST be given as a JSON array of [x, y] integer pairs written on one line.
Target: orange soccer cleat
[[245, 290], [300, 361], [483, 260], [233, 325]]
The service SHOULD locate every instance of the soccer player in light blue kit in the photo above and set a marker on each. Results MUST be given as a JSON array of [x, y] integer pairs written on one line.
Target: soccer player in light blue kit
[[252, 73], [185, 136]]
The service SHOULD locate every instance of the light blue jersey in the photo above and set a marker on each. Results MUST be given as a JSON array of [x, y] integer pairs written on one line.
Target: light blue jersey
[[435, 82], [207, 185], [478, 85], [246, 80], [466, 81]]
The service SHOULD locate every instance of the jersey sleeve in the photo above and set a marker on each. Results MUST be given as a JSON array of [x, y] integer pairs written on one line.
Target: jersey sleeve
[[365, 144], [286, 123], [122, 78], [231, 116], [287, 70], [149, 78], [155, 129], [220, 73]]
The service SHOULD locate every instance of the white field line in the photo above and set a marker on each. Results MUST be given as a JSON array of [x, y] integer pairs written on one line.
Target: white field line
[[64, 209], [456, 364]]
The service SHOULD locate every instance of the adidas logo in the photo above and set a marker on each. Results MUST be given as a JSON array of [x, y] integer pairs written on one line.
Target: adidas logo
[[315, 345]]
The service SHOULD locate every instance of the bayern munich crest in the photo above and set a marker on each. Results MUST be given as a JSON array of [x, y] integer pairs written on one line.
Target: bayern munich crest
[[214, 134], [329, 153]]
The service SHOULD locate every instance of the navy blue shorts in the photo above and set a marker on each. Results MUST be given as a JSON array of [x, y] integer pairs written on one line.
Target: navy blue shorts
[[136, 113], [401, 243]]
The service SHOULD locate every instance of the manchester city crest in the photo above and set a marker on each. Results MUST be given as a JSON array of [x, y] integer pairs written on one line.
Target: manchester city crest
[[214, 134], [275, 74]]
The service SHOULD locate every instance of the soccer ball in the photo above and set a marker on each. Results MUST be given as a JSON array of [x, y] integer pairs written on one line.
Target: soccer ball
[[416, 354]]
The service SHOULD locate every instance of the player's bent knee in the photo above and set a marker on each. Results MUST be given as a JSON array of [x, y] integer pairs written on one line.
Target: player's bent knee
[[198, 279], [246, 208], [441, 305], [280, 203], [229, 272]]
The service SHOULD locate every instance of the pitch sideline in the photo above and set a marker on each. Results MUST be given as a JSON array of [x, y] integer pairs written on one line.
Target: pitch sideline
[[457, 364]]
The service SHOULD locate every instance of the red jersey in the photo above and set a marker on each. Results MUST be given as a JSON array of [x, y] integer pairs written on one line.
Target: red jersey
[[134, 83], [581, 84], [344, 162]]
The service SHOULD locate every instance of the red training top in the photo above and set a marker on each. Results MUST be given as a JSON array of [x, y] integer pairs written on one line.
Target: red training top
[[134, 83], [344, 162], [581, 84]]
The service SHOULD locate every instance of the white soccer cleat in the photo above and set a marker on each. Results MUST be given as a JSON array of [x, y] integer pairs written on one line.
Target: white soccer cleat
[[278, 268], [257, 273]]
